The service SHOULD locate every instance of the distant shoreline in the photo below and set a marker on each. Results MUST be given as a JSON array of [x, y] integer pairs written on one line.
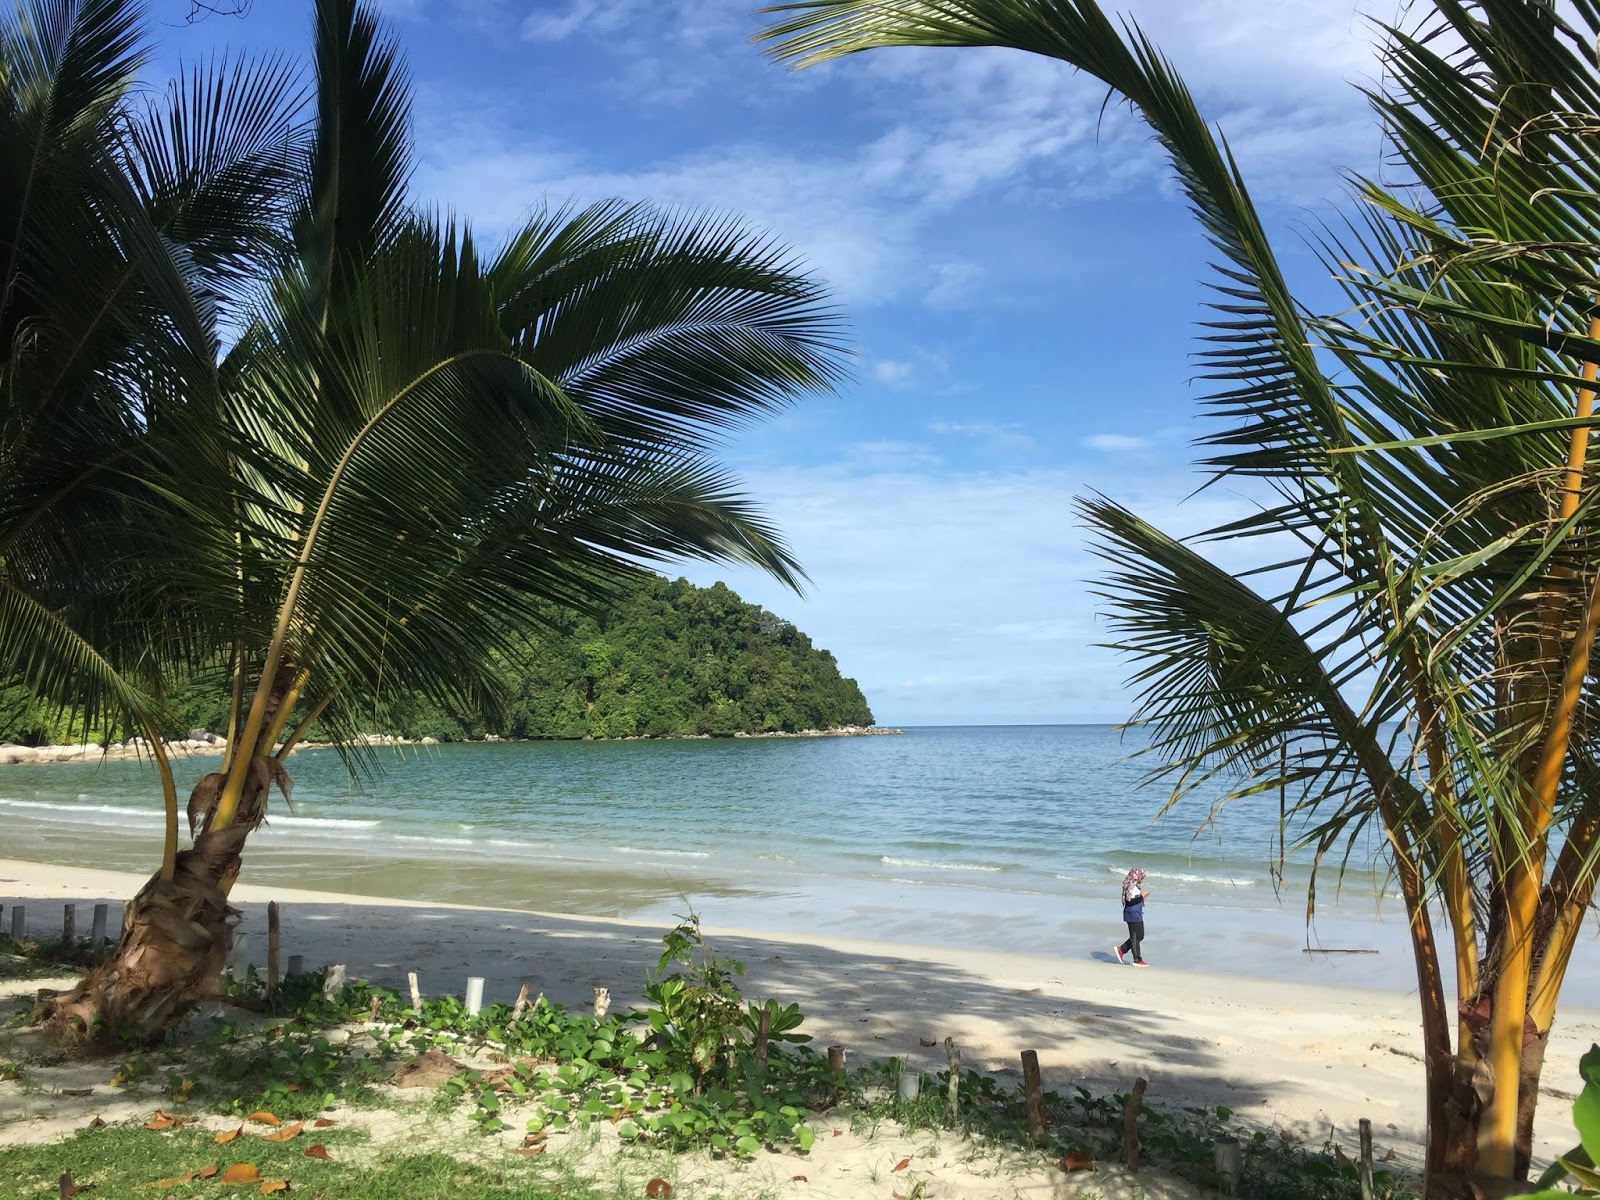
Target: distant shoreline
[[136, 748]]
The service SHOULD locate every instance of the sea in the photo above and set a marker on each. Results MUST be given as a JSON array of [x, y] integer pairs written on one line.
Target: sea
[[1010, 838]]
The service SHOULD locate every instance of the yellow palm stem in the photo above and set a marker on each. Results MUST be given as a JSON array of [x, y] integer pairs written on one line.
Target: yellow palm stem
[[293, 740], [169, 800]]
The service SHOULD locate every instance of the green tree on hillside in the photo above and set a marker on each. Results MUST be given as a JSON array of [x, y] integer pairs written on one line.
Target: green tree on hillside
[[258, 409], [1416, 652]]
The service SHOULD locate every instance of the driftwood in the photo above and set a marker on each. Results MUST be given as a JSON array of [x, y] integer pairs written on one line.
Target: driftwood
[[1332, 950]]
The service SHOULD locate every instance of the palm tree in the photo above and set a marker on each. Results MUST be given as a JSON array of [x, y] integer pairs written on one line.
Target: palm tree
[[1419, 658], [331, 448]]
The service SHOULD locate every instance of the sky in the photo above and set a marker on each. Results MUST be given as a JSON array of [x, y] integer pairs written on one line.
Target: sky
[[1019, 276]]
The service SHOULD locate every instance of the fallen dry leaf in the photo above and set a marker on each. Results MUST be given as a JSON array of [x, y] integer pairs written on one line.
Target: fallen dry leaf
[[1078, 1160], [658, 1187], [263, 1118], [97, 1123], [274, 1185], [228, 1135], [285, 1134], [319, 1151], [68, 1188], [322, 1123], [539, 1148], [538, 1135], [1391, 1156], [241, 1173], [161, 1121], [902, 1164], [186, 1177], [88, 1091], [798, 1179], [838, 1133], [206, 1172]]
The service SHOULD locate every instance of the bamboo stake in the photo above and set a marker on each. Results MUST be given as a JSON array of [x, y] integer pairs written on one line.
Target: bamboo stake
[[1366, 1159], [297, 964], [97, 929], [763, 1031], [332, 981], [521, 1004], [68, 925], [272, 947], [602, 1002], [836, 1066], [19, 922], [416, 995], [1130, 1124], [954, 1056], [474, 995], [1033, 1089]]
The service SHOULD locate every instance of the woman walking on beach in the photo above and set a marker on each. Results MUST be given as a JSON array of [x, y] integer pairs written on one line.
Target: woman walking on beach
[[1133, 898]]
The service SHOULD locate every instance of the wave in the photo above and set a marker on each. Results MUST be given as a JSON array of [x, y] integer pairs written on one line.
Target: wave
[[663, 853], [114, 810], [933, 865], [510, 845], [323, 822], [1184, 877], [433, 841]]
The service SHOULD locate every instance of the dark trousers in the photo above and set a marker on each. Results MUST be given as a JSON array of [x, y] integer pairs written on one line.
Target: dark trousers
[[1135, 936]]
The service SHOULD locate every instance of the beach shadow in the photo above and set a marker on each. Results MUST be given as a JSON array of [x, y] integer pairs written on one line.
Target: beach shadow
[[1104, 956]]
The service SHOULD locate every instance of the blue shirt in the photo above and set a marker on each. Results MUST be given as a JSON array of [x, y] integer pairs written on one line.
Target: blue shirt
[[1135, 910]]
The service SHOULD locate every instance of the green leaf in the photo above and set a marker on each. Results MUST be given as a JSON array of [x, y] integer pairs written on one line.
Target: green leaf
[[804, 1136], [1586, 1116], [748, 1145]]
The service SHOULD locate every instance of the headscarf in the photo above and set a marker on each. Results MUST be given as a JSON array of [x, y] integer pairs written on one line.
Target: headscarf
[[1130, 885]]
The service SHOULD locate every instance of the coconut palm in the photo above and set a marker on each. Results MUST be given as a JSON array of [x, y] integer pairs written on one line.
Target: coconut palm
[[341, 450], [1414, 651]]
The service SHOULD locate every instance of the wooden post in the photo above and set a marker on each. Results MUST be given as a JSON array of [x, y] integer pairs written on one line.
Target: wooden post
[[1130, 1124], [1033, 1090], [332, 981], [1366, 1159], [1227, 1159], [297, 964], [68, 926], [416, 994], [474, 995], [372, 1008], [521, 1004], [97, 929], [836, 1065], [272, 947], [954, 1056], [602, 1002], [19, 922], [763, 1031]]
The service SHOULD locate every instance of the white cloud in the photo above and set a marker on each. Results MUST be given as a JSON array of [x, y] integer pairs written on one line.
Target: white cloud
[[959, 596], [1114, 443], [890, 370]]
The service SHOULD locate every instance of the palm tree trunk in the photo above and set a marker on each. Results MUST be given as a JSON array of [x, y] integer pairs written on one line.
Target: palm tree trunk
[[176, 933]]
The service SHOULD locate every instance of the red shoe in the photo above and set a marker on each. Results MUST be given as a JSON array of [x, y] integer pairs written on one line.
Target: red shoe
[[1139, 962], [1117, 950]]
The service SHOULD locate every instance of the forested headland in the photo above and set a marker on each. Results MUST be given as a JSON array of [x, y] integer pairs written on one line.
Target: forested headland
[[662, 658]]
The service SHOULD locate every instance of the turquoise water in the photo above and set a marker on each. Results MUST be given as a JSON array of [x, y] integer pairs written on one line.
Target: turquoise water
[[998, 837]]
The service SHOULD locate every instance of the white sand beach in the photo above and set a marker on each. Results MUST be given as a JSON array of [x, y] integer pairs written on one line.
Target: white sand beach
[[1288, 1056]]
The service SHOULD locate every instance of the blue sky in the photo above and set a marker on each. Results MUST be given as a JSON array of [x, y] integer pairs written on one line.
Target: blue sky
[[1021, 283]]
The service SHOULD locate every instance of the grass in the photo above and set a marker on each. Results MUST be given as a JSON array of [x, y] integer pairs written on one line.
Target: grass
[[127, 1160]]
